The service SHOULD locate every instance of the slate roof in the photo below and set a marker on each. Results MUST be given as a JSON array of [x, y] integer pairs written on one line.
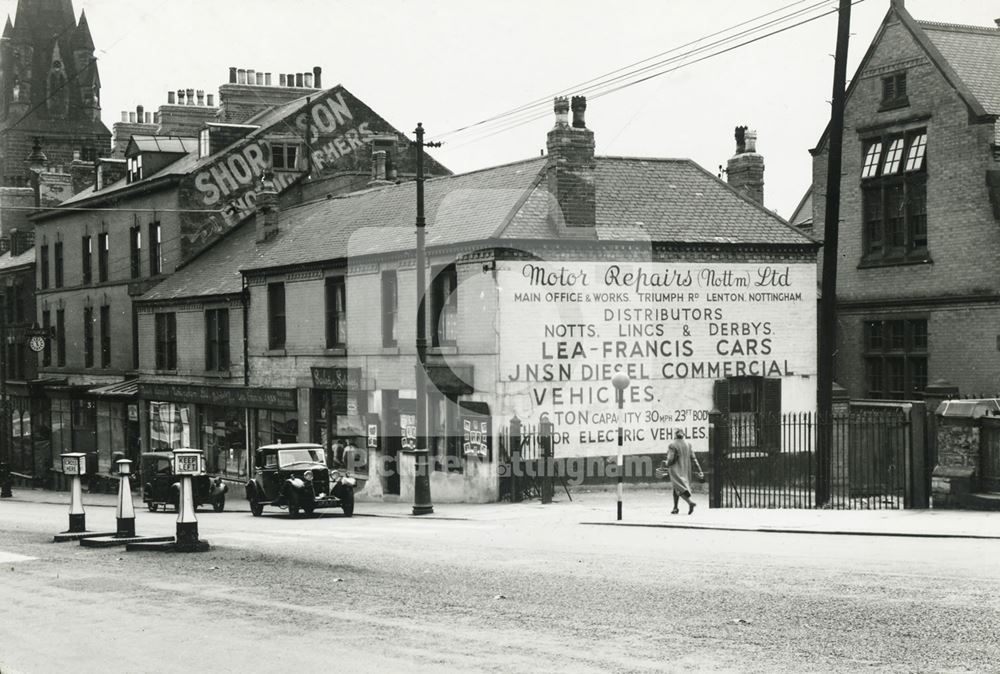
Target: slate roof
[[668, 200], [8, 261], [974, 53]]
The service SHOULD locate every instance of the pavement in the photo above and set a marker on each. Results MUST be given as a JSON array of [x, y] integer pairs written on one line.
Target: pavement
[[649, 508]]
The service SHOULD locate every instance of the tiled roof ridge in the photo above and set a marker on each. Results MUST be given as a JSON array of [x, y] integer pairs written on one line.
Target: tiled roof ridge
[[959, 27], [617, 157]]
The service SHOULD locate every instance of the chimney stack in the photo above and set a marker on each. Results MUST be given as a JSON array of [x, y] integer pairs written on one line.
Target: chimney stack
[[745, 169], [317, 73], [267, 213], [571, 167]]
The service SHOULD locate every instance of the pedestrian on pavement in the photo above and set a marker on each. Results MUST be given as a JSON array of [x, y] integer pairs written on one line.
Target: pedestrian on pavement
[[679, 460]]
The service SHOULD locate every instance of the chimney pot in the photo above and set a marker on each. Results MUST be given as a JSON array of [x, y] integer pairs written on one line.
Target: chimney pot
[[211, 100], [190, 95], [561, 107], [131, 117], [180, 97], [170, 98], [232, 75], [378, 165], [307, 80], [124, 115], [298, 80], [149, 118], [317, 72], [997, 22], [579, 106], [290, 80], [745, 169], [241, 76], [281, 79], [138, 113], [260, 79], [251, 76], [201, 96], [267, 79]]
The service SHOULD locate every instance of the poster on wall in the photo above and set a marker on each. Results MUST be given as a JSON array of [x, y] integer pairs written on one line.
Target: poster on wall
[[673, 328]]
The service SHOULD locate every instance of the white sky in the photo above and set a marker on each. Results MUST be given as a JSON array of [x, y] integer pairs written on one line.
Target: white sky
[[448, 63]]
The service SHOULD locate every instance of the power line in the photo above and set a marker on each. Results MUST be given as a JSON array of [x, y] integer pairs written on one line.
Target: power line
[[512, 124]]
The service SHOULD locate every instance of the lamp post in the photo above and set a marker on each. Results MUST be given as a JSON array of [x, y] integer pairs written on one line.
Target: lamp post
[[421, 479], [620, 381]]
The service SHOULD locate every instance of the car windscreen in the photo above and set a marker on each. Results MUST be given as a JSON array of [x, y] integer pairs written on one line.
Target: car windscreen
[[290, 457]]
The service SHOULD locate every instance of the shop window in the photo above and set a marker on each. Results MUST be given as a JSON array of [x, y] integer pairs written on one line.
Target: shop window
[[444, 306], [894, 198], [276, 315], [390, 308], [444, 435], [86, 258], [894, 91], [274, 426], [155, 257], [166, 341], [43, 266], [753, 405], [223, 437], [169, 426], [61, 337], [338, 422], [58, 260], [336, 312], [895, 358], [47, 325], [135, 251], [217, 339], [102, 257], [105, 336], [88, 337]]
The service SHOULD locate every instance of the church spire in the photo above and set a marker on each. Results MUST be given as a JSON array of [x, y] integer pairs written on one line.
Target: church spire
[[81, 36]]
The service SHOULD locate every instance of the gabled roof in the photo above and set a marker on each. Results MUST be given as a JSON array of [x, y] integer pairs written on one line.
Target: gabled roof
[[803, 213], [968, 57]]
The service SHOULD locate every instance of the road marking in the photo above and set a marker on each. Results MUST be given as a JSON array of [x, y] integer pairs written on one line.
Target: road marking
[[6, 557]]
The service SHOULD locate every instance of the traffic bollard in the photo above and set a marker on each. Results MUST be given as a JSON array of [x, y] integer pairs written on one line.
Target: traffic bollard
[[5, 491], [74, 466], [125, 512]]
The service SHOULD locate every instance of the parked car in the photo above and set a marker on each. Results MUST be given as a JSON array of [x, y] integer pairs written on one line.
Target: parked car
[[160, 487], [295, 476]]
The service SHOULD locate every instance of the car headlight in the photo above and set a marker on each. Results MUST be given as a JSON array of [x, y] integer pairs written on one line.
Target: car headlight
[[308, 476]]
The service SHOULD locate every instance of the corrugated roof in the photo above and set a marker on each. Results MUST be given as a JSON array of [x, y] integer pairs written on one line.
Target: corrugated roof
[[974, 53]]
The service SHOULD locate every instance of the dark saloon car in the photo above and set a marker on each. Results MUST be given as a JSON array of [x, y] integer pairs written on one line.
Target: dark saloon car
[[160, 487], [295, 476]]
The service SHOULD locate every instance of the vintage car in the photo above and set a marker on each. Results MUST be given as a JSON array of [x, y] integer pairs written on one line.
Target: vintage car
[[160, 487], [295, 476]]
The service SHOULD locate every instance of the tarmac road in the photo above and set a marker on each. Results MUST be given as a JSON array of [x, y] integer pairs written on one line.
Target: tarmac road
[[528, 591]]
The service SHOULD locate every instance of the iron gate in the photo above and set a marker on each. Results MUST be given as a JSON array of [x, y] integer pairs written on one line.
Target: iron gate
[[770, 461]]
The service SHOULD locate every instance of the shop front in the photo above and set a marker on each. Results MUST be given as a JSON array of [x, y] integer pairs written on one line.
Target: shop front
[[217, 419], [339, 416]]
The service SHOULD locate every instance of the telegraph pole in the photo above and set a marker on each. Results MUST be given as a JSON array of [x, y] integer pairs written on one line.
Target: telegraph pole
[[5, 439], [831, 230], [421, 481]]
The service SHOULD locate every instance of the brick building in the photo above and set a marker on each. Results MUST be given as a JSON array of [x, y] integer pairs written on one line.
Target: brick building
[[918, 298], [544, 275], [49, 88], [165, 202]]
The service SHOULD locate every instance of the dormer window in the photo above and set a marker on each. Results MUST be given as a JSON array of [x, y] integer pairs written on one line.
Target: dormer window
[[894, 91], [284, 155], [135, 168]]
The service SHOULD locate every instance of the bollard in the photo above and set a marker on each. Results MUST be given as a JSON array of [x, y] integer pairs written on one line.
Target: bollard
[[74, 466], [5, 491], [188, 462], [620, 381], [125, 512]]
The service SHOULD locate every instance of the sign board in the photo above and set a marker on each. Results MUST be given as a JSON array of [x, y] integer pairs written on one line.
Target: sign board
[[73, 464], [337, 378], [187, 463], [475, 437], [673, 328], [234, 396], [372, 436]]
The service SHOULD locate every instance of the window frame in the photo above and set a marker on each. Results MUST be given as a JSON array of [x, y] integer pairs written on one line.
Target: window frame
[[335, 293], [105, 318], [46, 326], [155, 248], [57, 261], [444, 305], [88, 336], [217, 340], [43, 266], [165, 335], [277, 330], [894, 93], [87, 259], [135, 251], [103, 253], [895, 355], [894, 198], [390, 308], [60, 338]]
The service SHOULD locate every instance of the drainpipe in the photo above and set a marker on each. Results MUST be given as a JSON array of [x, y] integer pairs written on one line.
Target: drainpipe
[[245, 302]]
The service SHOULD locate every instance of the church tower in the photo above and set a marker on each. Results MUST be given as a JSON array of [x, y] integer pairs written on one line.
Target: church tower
[[49, 89]]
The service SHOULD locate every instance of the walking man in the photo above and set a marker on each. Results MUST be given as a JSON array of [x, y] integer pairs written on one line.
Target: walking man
[[679, 460]]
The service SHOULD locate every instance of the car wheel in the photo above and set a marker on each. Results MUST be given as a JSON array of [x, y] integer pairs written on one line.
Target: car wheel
[[347, 503], [256, 507], [309, 509], [219, 504], [293, 504], [153, 507]]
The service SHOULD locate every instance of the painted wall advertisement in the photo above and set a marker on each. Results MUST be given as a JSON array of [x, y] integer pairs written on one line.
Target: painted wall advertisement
[[674, 328]]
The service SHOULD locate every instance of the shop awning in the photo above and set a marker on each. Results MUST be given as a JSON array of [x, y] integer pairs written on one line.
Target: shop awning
[[119, 389]]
